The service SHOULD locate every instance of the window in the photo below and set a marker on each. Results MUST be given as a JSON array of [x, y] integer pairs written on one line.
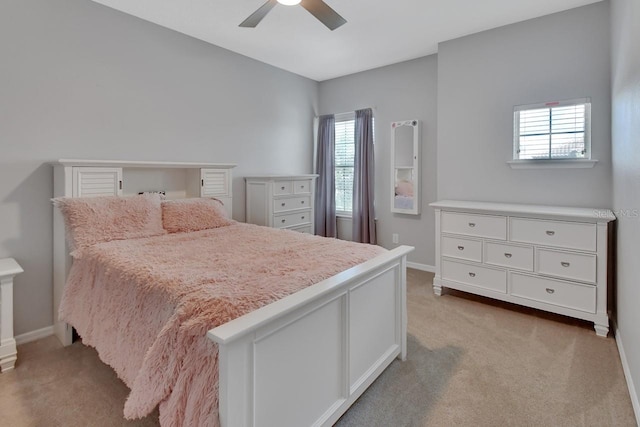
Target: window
[[344, 156], [553, 131]]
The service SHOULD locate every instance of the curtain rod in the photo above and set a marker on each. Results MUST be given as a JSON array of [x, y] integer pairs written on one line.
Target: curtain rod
[[351, 112]]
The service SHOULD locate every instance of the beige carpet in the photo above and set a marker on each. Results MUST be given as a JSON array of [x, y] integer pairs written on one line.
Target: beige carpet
[[472, 362]]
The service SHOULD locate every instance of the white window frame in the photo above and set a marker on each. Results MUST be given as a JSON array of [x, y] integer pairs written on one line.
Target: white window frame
[[345, 117], [584, 162]]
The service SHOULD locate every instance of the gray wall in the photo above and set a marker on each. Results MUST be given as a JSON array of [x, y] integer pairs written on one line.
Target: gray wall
[[625, 16], [397, 92], [79, 80], [483, 76]]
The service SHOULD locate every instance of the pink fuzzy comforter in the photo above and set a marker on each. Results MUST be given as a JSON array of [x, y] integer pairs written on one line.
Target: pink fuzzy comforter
[[146, 305]]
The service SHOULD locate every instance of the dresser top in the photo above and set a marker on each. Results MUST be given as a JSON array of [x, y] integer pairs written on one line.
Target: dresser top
[[538, 211]]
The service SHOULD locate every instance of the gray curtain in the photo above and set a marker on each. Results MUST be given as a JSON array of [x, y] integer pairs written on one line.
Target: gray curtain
[[325, 220], [364, 226]]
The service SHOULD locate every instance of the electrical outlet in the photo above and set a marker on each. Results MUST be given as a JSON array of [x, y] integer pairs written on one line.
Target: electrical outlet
[[395, 238]]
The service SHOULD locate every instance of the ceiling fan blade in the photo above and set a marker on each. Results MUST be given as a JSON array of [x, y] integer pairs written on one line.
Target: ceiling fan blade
[[324, 13], [255, 18]]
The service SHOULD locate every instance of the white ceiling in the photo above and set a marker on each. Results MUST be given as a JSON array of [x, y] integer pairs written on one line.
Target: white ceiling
[[377, 32]]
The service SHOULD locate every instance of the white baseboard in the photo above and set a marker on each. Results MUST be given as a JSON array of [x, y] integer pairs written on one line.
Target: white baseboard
[[421, 267], [34, 335], [627, 374]]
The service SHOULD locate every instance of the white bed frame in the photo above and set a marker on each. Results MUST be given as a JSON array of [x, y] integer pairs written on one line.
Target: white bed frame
[[305, 359]]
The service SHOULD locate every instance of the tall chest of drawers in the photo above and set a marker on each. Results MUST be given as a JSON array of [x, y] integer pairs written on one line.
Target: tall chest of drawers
[[281, 201], [549, 258]]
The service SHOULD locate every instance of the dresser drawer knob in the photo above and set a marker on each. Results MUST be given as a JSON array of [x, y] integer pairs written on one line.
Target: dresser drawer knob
[[302, 217], [550, 291], [472, 274], [472, 224], [550, 233], [302, 202], [283, 204], [283, 221], [565, 264], [507, 255], [282, 188], [302, 186], [461, 248]]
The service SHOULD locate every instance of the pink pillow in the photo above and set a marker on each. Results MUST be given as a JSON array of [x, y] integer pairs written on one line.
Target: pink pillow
[[91, 220], [404, 188], [193, 215]]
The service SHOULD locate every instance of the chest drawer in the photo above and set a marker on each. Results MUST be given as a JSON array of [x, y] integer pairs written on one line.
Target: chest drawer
[[482, 277], [456, 247], [289, 220], [305, 229], [556, 292], [302, 186], [511, 256], [572, 235], [580, 267], [282, 205], [282, 187], [494, 227]]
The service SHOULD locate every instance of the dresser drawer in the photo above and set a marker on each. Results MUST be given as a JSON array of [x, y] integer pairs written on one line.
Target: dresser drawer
[[289, 220], [580, 267], [556, 292], [282, 187], [573, 235], [494, 227], [282, 205], [306, 229], [482, 277], [302, 186], [457, 247], [512, 256]]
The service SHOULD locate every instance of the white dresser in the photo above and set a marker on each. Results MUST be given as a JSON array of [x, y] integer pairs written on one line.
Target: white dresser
[[282, 201], [550, 258], [9, 268]]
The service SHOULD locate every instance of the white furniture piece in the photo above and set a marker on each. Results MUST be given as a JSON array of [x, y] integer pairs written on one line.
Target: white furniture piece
[[549, 258], [282, 201], [405, 167], [91, 178], [304, 360], [9, 268]]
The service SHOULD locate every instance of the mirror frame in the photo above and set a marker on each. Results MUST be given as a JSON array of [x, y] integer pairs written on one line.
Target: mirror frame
[[415, 124]]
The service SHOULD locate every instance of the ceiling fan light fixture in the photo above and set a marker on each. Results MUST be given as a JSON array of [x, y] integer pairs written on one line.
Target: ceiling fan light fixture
[[317, 8]]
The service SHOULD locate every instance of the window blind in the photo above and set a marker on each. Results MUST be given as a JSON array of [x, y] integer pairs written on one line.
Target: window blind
[[344, 158], [555, 130]]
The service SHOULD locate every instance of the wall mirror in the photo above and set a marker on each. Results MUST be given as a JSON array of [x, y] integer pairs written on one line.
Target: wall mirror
[[405, 167]]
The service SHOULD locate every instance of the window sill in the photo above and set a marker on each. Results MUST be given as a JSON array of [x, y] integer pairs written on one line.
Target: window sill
[[344, 215], [552, 164]]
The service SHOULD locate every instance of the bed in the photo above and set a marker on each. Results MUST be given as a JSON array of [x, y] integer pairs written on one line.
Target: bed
[[232, 324]]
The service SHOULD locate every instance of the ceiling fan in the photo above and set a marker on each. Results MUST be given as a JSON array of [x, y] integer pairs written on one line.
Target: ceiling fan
[[317, 8]]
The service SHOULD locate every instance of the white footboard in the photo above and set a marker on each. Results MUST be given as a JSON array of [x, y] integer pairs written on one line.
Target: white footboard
[[303, 360]]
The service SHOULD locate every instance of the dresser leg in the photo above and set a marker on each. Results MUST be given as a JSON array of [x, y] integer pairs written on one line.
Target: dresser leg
[[437, 286], [8, 355], [601, 330]]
